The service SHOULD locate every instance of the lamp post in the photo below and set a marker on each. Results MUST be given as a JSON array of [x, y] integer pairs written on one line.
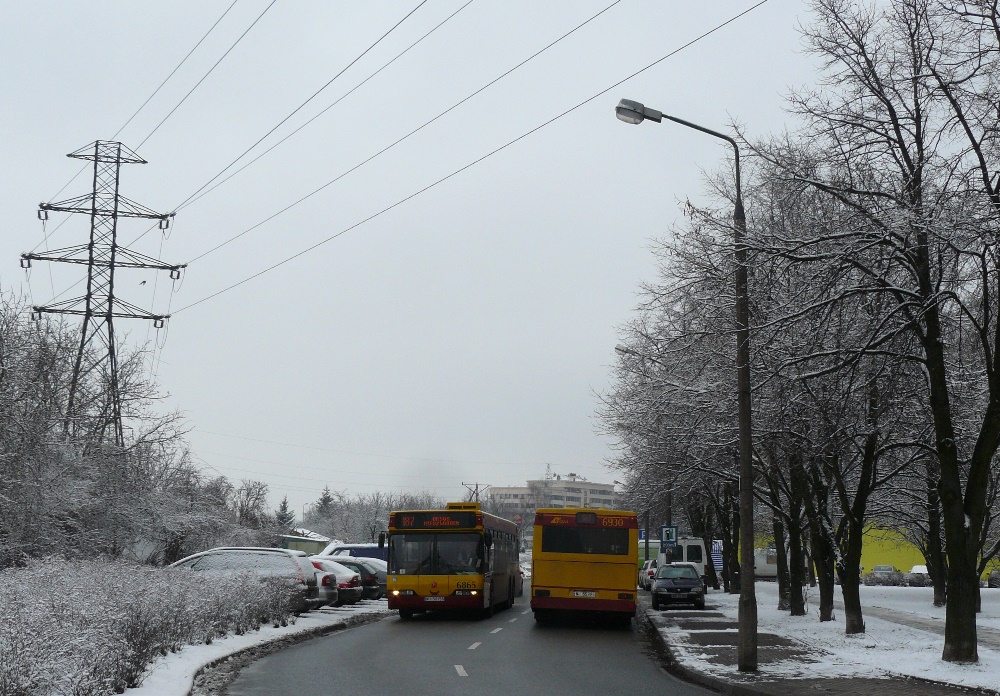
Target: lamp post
[[633, 112]]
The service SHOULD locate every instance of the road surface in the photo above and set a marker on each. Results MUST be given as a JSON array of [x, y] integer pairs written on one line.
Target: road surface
[[506, 654]]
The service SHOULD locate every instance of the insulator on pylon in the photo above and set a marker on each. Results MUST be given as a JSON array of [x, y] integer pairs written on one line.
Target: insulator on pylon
[[159, 323], [35, 316], [25, 263], [164, 223], [175, 274], [43, 215]]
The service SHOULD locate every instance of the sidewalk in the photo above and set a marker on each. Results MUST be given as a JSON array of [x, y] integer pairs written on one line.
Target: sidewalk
[[702, 648]]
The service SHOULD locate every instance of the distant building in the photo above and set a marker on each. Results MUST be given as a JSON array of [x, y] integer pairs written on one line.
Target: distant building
[[556, 491]]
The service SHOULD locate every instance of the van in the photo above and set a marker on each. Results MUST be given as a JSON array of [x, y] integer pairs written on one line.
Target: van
[[688, 550], [363, 550]]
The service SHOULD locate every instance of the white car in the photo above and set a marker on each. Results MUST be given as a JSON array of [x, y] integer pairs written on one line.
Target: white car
[[646, 574]]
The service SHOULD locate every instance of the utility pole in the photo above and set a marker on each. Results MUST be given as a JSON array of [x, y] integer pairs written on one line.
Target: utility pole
[[474, 490], [102, 255]]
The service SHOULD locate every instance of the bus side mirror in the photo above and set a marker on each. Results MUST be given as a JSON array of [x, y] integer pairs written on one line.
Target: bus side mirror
[[381, 540], [488, 539]]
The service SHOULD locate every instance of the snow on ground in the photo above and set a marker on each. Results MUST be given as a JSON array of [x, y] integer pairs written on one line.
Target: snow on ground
[[886, 649], [174, 674]]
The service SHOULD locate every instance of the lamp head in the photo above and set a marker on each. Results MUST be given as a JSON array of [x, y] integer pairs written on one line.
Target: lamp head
[[633, 112]]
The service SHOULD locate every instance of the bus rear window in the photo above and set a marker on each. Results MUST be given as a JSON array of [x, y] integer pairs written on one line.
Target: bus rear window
[[604, 541]]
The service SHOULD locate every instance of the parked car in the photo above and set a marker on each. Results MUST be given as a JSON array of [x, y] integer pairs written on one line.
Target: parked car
[[884, 575], [646, 573], [372, 572], [366, 550], [993, 579], [264, 562], [918, 576], [349, 588], [678, 583], [326, 581]]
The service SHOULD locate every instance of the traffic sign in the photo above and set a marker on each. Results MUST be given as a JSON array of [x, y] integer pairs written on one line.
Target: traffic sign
[[518, 519]]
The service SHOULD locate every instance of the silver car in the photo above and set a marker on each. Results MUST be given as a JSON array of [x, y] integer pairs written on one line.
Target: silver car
[[265, 562]]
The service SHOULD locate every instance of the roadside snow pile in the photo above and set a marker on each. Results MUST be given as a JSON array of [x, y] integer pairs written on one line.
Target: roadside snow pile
[[92, 627]]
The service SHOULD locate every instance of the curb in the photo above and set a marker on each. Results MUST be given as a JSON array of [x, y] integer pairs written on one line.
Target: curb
[[244, 656]]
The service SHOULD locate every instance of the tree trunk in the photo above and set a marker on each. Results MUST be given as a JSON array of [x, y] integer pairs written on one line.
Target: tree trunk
[[850, 588], [937, 564], [734, 561], [960, 641], [823, 559], [796, 571], [782, 562]]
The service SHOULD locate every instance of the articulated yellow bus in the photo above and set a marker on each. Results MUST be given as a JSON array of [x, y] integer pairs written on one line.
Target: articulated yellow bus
[[584, 560], [459, 558]]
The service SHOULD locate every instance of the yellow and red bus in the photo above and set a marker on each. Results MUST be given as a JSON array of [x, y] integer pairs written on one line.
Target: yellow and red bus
[[584, 560], [459, 558]]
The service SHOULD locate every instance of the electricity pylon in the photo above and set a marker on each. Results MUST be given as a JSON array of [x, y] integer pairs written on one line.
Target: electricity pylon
[[102, 255]]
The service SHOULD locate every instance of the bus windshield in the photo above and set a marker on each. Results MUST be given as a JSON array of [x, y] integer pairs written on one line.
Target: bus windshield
[[436, 554], [592, 540]]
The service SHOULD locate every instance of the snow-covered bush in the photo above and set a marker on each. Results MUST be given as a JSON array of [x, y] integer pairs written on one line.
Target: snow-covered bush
[[81, 627]]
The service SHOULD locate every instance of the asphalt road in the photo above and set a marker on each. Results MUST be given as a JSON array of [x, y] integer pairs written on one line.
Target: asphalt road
[[506, 654]]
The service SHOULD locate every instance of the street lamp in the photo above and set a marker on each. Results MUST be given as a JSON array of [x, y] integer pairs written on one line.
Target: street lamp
[[633, 112]]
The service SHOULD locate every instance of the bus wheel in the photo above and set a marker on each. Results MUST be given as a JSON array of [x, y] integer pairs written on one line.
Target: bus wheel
[[405, 614], [510, 595], [542, 616]]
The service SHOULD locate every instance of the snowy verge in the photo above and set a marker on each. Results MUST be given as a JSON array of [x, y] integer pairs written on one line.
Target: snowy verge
[[174, 674], [823, 651]]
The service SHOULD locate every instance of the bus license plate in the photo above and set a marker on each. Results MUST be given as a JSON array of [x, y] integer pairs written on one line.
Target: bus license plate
[[584, 593], [433, 599]]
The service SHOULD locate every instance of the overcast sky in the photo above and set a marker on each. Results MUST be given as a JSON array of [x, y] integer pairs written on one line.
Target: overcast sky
[[459, 336]]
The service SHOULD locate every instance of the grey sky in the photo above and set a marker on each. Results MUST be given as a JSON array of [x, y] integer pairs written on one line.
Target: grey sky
[[459, 336]]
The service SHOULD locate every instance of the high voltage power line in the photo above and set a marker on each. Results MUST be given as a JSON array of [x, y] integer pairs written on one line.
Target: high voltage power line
[[303, 104], [130, 118], [210, 70], [190, 199], [442, 179], [408, 135]]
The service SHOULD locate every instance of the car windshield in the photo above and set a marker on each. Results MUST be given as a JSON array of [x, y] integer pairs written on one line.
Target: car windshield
[[675, 573], [436, 554]]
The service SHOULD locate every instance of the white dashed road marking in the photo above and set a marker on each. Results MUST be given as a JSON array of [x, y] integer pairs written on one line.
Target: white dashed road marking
[[525, 612], [512, 620], [461, 671], [474, 646], [496, 630]]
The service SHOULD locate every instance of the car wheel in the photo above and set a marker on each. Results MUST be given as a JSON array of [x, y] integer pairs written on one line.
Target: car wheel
[[699, 605], [405, 614], [656, 605]]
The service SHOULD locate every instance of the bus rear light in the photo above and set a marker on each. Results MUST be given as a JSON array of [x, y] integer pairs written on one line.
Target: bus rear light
[[625, 595], [541, 593]]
